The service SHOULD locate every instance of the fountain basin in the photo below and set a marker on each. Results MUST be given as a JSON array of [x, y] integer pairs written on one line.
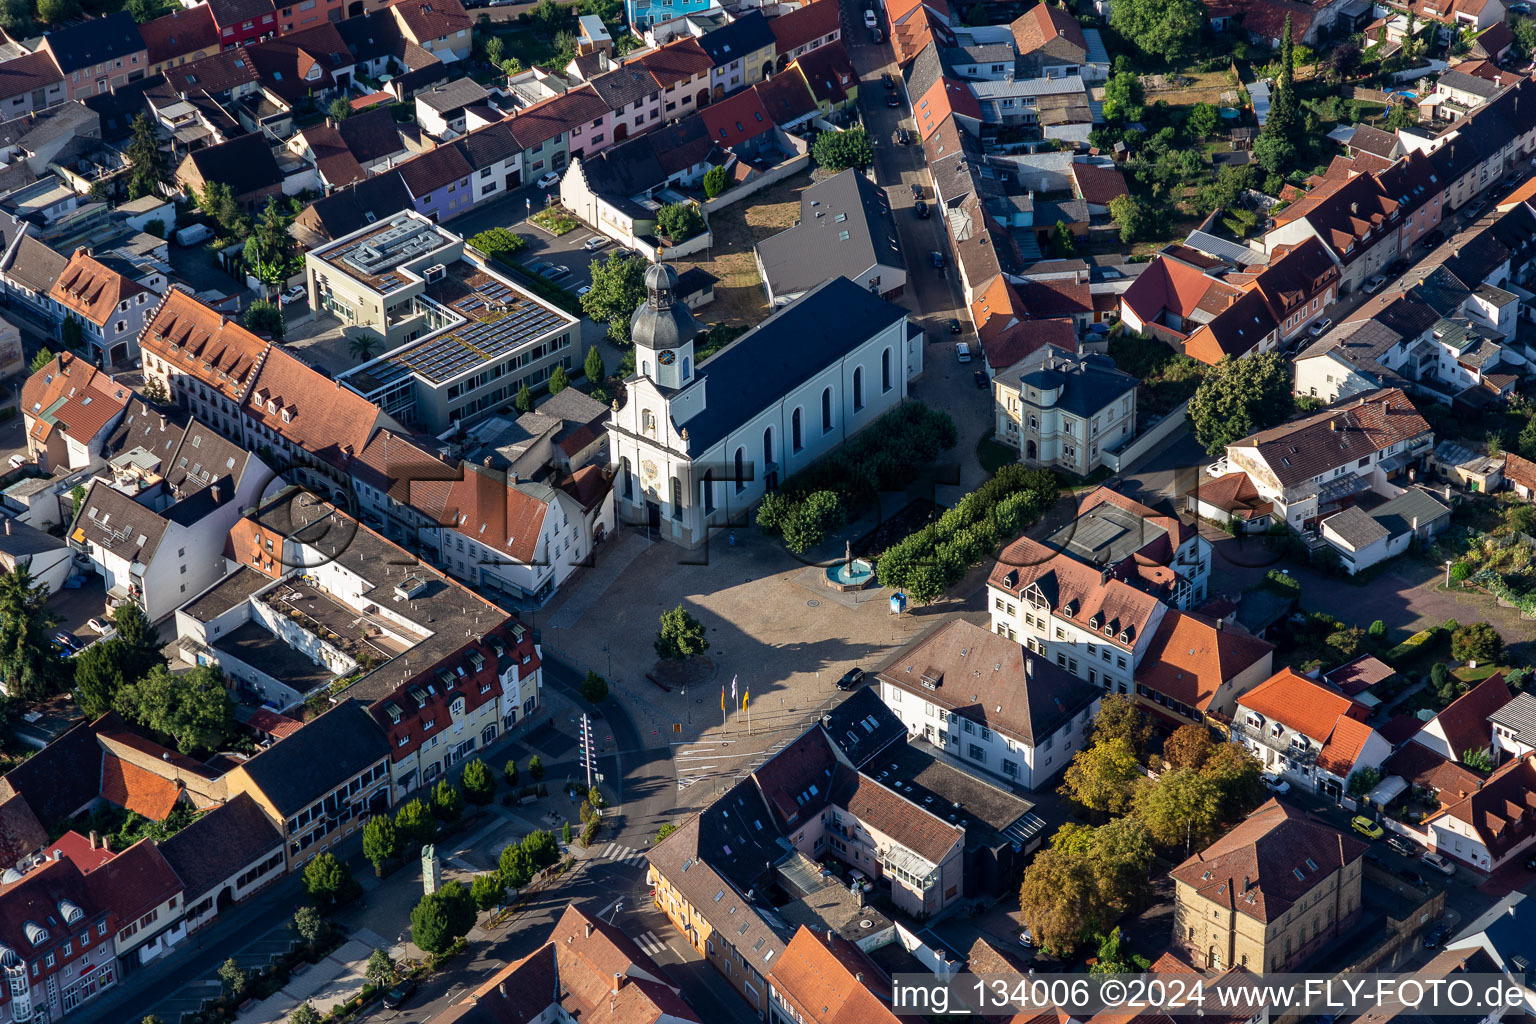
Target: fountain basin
[[852, 575]]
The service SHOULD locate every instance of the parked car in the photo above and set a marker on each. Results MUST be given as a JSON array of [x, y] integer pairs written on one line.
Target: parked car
[[1025, 939], [902, 137], [1530, 863], [98, 626], [1374, 284], [194, 234], [1320, 327], [893, 99], [548, 180], [1402, 846], [937, 258], [954, 325], [1436, 935], [1276, 784], [886, 79], [917, 191], [980, 377], [921, 209], [397, 996], [1366, 827], [1432, 239], [67, 644], [869, 19], [594, 243], [853, 677], [963, 352], [1439, 863], [583, 290], [294, 294], [1413, 878]]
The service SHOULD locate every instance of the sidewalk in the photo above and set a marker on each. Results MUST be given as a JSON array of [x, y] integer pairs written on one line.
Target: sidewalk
[[333, 980]]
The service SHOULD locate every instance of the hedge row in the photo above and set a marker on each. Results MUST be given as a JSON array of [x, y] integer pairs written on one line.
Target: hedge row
[[939, 555], [1415, 644]]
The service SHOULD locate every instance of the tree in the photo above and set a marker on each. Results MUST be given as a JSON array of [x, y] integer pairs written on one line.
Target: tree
[[146, 162], [326, 879], [510, 771], [666, 829], [45, 356], [1400, 115], [270, 251], [499, 243], [304, 1014], [679, 221], [1477, 760], [1283, 107], [442, 917], [415, 825], [1440, 678], [1101, 777], [1062, 242], [1160, 29], [593, 367], [70, 332], [340, 109], [1342, 61], [193, 708], [1204, 119], [266, 317], [547, 13], [1124, 98], [363, 345], [493, 50], [1524, 30], [154, 391], [218, 202], [233, 977], [716, 181], [594, 688], [55, 11], [98, 677], [618, 288], [1477, 641], [28, 665], [1238, 397], [1182, 806], [524, 399], [1362, 782], [488, 890], [558, 381], [836, 151], [1132, 215], [145, 10], [380, 970], [1058, 897], [536, 768], [516, 865], [1377, 632], [447, 801], [1238, 777], [1120, 718], [478, 782], [308, 925], [381, 842], [681, 635], [1188, 747], [1274, 153]]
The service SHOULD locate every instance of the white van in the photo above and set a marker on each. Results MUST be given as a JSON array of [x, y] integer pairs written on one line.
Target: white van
[[963, 352]]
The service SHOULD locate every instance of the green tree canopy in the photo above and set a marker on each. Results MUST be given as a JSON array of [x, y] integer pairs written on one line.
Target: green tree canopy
[[442, 917], [716, 181], [1203, 120], [836, 151], [1188, 747], [1161, 29], [679, 221], [1181, 809], [478, 782], [381, 841], [558, 380], [1124, 98], [1238, 777], [524, 400], [447, 801], [326, 879], [594, 688], [266, 317], [1133, 216], [146, 162], [1477, 641], [340, 109], [1238, 397], [416, 826], [681, 635], [1102, 777], [99, 677], [1121, 718], [593, 366], [55, 12], [304, 1014], [618, 288], [380, 970], [1059, 899], [488, 890], [270, 251], [45, 356], [193, 708]]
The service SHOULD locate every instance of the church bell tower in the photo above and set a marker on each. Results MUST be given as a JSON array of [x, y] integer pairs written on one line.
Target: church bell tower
[[663, 329]]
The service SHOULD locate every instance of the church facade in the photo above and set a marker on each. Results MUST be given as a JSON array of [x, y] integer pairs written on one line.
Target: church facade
[[697, 445]]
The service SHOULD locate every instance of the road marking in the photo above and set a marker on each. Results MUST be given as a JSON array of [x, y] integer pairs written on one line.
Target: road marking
[[652, 944], [607, 850]]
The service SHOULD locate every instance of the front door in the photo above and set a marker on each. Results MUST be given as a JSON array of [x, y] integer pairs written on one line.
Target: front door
[[652, 517]]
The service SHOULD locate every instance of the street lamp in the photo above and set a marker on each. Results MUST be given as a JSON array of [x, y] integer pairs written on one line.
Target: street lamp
[[1447, 574]]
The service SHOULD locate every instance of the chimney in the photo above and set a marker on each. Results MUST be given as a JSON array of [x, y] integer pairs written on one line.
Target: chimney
[[590, 926], [618, 981], [215, 490], [1104, 573], [1029, 668], [7, 527], [95, 836], [1220, 623], [162, 422], [512, 478], [1415, 526], [830, 936], [487, 462]]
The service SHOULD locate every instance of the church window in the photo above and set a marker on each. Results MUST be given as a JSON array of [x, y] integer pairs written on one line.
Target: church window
[[741, 470], [794, 431], [826, 410], [858, 388], [768, 447], [885, 370], [629, 481], [677, 498], [687, 367], [709, 491]]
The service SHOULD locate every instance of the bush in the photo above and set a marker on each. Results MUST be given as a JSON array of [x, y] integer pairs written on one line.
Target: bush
[[1460, 571], [1283, 583], [1476, 641], [510, 771], [716, 181], [478, 782], [925, 563], [594, 688], [679, 221], [499, 243], [838, 151], [536, 768]]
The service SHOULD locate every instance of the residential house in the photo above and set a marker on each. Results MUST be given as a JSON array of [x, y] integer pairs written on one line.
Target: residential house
[[55, 920], [1320, 462], [30, 82], [846, 229], [613, 191], [186, 34], [346, 210], [1499, 941], [1156, 552], [552, 131], [1520, 472], [587, 970], [682, 69], [633, 98], [1269, 894], [1050, 43], [1481, 147], [440, 27], [242, 22], [98, 55], [1196, 669], [821, 980], [69, 409], [47, 559], [108, 307], [245, 164], [1358, 222], [1493, 826], [205, 360], [1066, 414], [438, 181], [224, 857], [1462, 727], [440, 110], [1005, 710], [798, 32], [494, 156], [321, 784], [829, 73], [1314, 737], [1363, 539], [742, 51]]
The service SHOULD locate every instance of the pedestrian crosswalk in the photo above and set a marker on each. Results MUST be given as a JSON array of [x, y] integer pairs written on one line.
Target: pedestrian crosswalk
[[624, 855], [652, 945]]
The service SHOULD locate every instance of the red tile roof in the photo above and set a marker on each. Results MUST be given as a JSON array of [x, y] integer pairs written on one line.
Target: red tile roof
[[183, 31], [737, 118], [135, 789], [1344, 745], [92, 290], [678, 61], [805, 26], [1503, 812], [1520, 470], [1043, 23], [1465, 720], [1261, 868], [1098, 183], [199, 342], [1233, 493], [488, 508], [1044, 299], [829, 72], [1337, 436], [881, 809], [825, 984], [432, 19], [1190, 658], [786, 97], [31, 71], [134, 882], [1301, 705], [1076, 592], [1359, 675], [1421, 767], [548, 119], [72, 395], [945, 97], [298, 402]]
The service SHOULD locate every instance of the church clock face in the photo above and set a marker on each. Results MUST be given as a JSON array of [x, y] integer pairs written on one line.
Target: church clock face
[[666, 357]]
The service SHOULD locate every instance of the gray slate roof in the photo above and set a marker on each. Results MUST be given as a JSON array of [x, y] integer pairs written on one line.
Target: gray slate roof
[[1398, 515], [297, 771], [1356, 527], [230, 836], [455, 95], [815, 250], [1520, 715]]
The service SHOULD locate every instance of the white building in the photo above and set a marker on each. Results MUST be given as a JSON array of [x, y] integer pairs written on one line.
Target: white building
[[697, 446], [1312, 736], [1363, 539], [991, 703], [1067, 413]]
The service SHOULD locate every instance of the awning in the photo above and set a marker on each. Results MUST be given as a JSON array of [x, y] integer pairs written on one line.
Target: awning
[[1385, 791]]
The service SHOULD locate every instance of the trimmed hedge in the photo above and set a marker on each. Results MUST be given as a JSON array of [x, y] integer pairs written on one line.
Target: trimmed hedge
[[934, 558]]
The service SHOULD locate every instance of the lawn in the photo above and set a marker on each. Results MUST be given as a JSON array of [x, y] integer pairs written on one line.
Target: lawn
[[556, 221], [994, 455], [1186, 89], [739, 295]]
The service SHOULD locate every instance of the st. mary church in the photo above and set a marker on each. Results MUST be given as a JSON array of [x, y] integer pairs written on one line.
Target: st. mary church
[[697, 444]]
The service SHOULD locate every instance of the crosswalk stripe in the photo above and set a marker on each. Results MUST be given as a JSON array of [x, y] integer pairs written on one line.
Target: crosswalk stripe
[[608, 850]]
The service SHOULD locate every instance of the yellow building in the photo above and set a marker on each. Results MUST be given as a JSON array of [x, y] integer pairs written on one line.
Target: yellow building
[[1269, 894]]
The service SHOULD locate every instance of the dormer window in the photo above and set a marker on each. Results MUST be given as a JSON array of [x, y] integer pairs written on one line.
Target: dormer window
[[271, 405], [287, 415]]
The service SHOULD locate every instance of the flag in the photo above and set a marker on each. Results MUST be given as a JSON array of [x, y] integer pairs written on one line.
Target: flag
[[722, 698], [733, 688], [746, 695]]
